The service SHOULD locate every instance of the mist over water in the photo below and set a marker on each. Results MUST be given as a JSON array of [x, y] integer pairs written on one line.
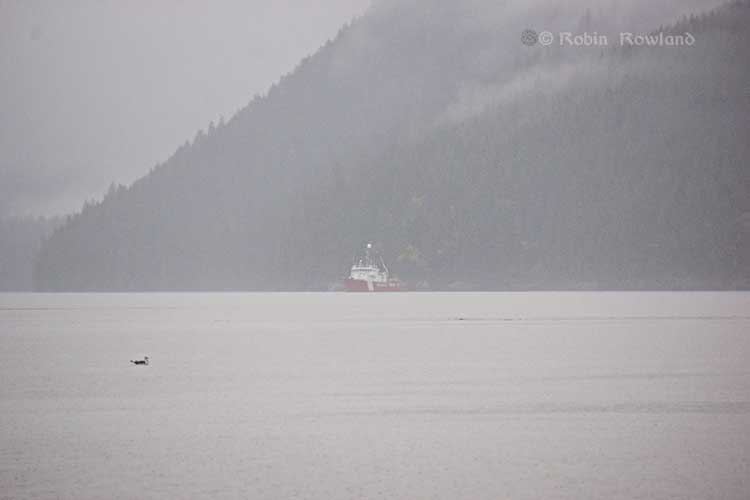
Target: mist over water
[[426, 145], [339, 396]]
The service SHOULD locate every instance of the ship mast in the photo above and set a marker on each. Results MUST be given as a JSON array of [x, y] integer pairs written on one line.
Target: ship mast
[[382, 263]]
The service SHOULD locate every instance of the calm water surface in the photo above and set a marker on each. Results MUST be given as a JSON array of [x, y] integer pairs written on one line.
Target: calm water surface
[[394, 396]]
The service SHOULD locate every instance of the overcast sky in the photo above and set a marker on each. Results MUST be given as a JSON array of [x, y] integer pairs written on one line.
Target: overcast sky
[[98, 91]]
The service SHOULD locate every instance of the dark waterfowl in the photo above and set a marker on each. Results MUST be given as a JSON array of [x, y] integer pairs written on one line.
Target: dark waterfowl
[[143, 361]]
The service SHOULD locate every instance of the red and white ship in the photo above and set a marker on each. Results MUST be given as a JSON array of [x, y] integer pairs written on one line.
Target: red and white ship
[[368, 276]]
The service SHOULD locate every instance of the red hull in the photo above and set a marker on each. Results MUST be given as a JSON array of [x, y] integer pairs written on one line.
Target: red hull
[[363, 286]]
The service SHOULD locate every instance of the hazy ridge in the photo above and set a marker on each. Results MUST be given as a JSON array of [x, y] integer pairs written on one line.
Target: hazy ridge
[[471, 160], [21, 239]]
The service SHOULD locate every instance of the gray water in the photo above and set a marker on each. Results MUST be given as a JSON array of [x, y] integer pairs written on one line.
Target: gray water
[[397, 396]]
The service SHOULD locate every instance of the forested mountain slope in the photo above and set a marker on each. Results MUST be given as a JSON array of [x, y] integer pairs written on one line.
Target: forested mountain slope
[[468, 157]]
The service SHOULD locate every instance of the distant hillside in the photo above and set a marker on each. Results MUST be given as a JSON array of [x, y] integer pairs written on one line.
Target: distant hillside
[[470, 159], [21, 240]]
